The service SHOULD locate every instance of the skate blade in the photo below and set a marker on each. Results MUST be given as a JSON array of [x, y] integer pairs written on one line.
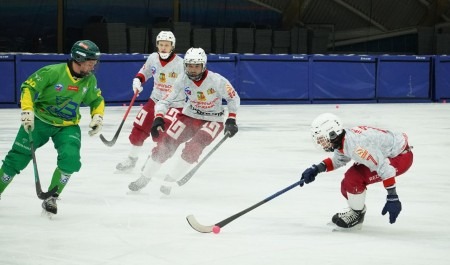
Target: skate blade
[[136, 193], [357, 227], [125, 171], [49, 215]]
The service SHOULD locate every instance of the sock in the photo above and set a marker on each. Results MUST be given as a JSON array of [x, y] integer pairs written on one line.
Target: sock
[[4, 180], [59, 179]]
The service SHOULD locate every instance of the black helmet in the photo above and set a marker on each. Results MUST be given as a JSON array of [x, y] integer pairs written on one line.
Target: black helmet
[[84, 50]]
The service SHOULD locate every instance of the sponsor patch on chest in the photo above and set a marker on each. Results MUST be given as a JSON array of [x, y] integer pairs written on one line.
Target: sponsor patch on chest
[[73, 88]]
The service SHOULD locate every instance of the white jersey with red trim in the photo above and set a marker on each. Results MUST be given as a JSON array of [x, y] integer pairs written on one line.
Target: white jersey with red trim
[[204, 97], [164, 75], [371, 147]]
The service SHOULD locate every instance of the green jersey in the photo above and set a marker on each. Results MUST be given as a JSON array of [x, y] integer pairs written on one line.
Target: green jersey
[[55, 95]]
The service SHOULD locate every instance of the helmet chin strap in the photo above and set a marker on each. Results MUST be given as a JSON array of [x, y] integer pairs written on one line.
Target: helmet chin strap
[[195, 77]]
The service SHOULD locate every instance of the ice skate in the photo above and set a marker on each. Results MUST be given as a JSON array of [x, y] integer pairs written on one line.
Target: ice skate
[[167, 189], [128, 164], [350, 220], [49, 206], [139, 184]]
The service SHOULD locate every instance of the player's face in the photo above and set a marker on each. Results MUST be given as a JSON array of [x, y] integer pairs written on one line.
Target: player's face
[[164, 46], [87, 67], [194, 69], [324, 143]]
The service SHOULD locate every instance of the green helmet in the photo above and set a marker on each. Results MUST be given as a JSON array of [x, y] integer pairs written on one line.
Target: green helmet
[[84, 50]]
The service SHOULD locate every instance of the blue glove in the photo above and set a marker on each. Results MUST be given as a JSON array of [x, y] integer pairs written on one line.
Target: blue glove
[[393, 206], [309, 175]]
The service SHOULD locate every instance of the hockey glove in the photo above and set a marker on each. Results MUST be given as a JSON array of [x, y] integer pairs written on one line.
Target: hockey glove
[[158, 125], [137, 85], [393, 206], [27, 118], [96, 124], [309, 175], [230, 127]]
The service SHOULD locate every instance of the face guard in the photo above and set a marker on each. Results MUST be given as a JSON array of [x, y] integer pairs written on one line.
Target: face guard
[[326, 130]]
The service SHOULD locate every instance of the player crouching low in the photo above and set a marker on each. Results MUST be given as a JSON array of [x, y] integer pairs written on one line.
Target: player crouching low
[[379, 155]]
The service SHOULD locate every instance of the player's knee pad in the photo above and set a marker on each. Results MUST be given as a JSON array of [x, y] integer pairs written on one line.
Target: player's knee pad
[[138, 136], [192, 152], [69, 162], [352, 184], [71, 166], [162, 152]]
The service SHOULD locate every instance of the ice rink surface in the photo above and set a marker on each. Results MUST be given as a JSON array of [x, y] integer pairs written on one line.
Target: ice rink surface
[[99, 222]]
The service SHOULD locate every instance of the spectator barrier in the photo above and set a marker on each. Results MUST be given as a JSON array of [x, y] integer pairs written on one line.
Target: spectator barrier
[[268, 79]]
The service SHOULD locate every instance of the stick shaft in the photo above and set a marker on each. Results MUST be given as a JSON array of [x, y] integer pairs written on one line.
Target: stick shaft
[[41, 195], [209, 228], [191, 173], [116, 135], [241, 213]]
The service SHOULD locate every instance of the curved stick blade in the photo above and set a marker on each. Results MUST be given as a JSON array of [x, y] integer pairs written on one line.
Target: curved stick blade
[[197, 226], [44, 195], [106, 142]]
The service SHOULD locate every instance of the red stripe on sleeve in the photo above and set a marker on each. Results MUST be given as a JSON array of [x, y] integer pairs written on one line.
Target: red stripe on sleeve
[[329, 164], [389, 182]]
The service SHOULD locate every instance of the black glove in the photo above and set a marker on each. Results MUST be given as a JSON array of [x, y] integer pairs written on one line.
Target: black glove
[[309, 175], [158, 125], [231, 127], [393, 206]]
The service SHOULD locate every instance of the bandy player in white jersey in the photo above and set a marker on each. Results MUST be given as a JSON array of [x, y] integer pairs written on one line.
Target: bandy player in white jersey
[[164, 66], [201, 121], [380, 155]]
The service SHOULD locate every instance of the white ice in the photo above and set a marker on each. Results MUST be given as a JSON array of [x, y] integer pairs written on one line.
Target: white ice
[[99, 222]]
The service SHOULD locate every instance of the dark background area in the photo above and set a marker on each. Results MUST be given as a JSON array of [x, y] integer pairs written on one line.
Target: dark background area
[[224, 26]]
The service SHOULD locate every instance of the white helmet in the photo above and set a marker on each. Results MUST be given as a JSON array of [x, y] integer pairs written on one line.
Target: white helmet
[[166, 36], [195, 56], [325, 129]]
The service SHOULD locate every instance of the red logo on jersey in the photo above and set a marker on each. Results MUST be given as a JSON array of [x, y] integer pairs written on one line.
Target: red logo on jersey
[[73, 88], [230, 91], [364, 154]]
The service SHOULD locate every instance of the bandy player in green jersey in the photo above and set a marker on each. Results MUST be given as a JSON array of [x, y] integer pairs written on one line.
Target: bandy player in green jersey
[[50, 102]]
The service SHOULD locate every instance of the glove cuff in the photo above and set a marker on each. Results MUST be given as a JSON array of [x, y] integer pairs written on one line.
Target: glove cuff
[[392, 198], [321, 167], [391, 190], [141, 78], [231, 121]]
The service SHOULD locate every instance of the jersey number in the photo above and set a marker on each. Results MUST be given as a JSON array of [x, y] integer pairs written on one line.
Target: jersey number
[[175, 129], [140, 118], [212, 128]]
